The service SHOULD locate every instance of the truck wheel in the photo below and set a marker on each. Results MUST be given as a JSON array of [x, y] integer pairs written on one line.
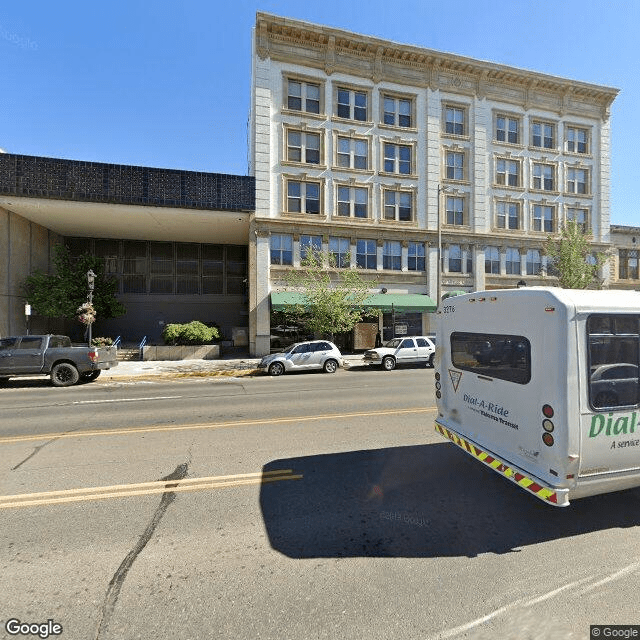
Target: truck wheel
[[64, 375], [388, 363], [90, 376]]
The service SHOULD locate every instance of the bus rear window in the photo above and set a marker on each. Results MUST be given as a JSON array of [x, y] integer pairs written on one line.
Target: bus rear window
[[500, 356]]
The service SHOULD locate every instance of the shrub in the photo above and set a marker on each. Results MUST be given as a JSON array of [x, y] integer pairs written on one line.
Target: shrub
[[101, 342], [191, 333]]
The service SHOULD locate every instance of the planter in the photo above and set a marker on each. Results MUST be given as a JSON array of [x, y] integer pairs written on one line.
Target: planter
[[194, 352]]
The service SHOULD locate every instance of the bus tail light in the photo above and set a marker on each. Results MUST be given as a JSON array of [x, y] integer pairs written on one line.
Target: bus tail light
[[547, 411], [547, 438]]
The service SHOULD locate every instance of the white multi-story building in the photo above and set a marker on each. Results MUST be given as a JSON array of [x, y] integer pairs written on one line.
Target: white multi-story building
[[394, 154]]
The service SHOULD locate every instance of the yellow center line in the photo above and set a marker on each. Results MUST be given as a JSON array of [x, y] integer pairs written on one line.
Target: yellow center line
[[214, 425], [144, 488]]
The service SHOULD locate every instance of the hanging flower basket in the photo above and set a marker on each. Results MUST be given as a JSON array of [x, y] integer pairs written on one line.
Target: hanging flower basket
[[86, 313]]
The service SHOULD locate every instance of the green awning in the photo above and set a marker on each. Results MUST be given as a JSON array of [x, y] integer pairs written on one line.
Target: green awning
[[407, 302]]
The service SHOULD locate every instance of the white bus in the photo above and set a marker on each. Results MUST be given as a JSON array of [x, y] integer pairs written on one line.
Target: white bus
[[541, 385]]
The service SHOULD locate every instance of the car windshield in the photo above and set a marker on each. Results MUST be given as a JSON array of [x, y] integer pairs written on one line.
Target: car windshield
[[394, 344], [291, 348]]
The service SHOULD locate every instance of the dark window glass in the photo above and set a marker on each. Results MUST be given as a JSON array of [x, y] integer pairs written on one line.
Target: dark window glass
[[7, 343], [30, 342]]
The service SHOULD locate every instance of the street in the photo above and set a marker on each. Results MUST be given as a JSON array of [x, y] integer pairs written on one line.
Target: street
[[306, 506]]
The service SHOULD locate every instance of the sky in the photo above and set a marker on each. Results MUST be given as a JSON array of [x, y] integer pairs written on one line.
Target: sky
[[167, 83]]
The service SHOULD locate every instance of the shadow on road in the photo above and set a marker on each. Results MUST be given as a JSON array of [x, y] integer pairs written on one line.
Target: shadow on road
[[420, 501]]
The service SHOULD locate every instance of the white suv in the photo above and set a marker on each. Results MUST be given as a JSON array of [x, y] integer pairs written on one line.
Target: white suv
[[316, 354], [410, 350]]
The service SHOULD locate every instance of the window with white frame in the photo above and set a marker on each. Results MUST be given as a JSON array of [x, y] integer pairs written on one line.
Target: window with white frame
[[513, 261], [492, 260], [303, 146], [577, 139], [303, 197], [544, 218], [352, 153], [352, 104], [454, 120], [416, 256], [454, 210], [628, 264], [455, 258], [392, 255], [339, 250], [397, 111], [398, 205], [397, 158], [577, 180], [507, 129], [281, 246], [310, 246], [353, 202], [303, 96], [507, 215], [543, 134], [579, 216], [534, 262], [367, 254], [455, 165], [544, 176], [508, 172]]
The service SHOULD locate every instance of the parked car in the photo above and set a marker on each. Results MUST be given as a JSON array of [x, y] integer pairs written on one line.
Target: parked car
[[409, 350], [53, 356], [614, 385], [303, 356]]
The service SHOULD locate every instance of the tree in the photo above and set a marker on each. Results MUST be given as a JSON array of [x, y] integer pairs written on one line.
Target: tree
[[333, 296], [61, 294], [572, 258]]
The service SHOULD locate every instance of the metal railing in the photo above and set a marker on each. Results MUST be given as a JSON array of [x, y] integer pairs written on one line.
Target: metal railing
[[116, 342], [141, 346]]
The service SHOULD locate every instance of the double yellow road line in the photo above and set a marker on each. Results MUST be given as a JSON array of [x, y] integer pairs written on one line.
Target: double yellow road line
[[144, 488]]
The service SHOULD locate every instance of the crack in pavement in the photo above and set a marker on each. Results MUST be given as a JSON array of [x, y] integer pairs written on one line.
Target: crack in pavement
[[115, 585]]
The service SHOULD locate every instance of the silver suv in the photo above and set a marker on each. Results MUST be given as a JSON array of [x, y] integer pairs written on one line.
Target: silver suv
[[410, 350], [303, 356]]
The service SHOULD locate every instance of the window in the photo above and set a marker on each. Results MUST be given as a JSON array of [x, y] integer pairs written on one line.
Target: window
[[353, 202], [544, 177], [7, 343], [30, 342], [543, 218], [310, 246], [613, 342], [187, 273], [353, 153], [455, 165], [492, 260], [513, 261], [303, 146], [339, 250], [397, 111], [416, 256], [507, 129], [392, 255], [236, 267], [303, 197], [577, 140], [161, 267], [281, 248], [352, 104], [455, 210], [398, 205], [454, 120], [455, 258], [543, 135], [577, 180], [534, 262], [505, 357], [367, 254], [303, 96], [213, 269], [507, 215], [580, 217], [397, 158], [508, 172], [134, 267], [628, 266]]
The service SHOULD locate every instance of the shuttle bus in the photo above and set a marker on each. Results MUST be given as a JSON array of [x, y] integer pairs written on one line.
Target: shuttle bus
[[540, 384]]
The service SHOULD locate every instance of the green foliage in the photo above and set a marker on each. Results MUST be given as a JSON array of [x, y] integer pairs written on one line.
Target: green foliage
[[191, 333], [572, 258], [61, 294], [101, 342], [333, 295]]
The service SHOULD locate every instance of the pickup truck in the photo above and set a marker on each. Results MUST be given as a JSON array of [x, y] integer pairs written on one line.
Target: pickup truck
[[53, 356]]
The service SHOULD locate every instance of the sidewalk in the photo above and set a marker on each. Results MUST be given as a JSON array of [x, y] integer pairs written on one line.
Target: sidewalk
[[240, 367]]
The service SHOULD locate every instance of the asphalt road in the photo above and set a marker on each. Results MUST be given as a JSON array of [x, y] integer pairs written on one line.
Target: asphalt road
[[307, 506]]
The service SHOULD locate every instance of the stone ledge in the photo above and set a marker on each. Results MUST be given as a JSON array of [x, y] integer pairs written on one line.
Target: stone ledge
[[195, 352]]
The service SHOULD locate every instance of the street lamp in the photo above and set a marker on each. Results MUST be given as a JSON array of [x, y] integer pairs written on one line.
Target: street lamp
[[91, 281]]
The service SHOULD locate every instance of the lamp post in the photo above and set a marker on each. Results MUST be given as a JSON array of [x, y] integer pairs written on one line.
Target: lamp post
[[91, 280]]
